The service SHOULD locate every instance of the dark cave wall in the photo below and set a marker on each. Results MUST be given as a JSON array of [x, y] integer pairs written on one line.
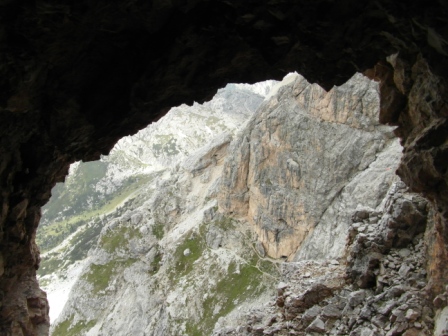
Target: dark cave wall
[[415, 99], [74, 78]]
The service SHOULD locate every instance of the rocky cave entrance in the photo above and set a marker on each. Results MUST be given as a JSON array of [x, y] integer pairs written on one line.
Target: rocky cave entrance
[[122, 230], [77, 78]]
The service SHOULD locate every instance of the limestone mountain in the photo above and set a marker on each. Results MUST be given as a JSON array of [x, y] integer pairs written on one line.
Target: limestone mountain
[[313, 175], [305, 157], [92, 186], [75, 215], [296, 223]]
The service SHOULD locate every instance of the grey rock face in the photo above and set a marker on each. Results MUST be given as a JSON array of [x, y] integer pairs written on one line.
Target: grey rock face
[[304, 162], [356, 298], [364, 235], [214, 237], [393, 304], [317, 326], [404, 217], [311, 314]]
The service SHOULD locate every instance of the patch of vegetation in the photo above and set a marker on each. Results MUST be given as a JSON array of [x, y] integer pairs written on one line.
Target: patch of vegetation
[[192, 330], [65, 328], [183, 264], [238, 284], [49, 264], [266, 266], [83, 240], [225, 223], [77, 189], [158, 230], [113, 239], [99, 276], [62, 328], [75, 250], [155, 264], [246, 283], [52, 234]]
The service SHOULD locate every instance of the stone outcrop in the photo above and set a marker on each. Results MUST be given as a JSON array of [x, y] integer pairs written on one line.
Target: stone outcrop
[[384, 290], [404, 218], [74, 78], [422, 128], [304, 156], [381, 282]]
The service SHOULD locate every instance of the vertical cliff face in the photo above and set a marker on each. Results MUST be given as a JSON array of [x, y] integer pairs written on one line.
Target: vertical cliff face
[[314, 175], [303, 156]]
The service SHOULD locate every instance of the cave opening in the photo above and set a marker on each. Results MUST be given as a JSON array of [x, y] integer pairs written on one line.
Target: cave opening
[[61, 100], [117, 217]]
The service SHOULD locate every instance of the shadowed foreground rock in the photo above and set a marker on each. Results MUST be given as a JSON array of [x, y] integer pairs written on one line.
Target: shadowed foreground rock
[[76, 78]]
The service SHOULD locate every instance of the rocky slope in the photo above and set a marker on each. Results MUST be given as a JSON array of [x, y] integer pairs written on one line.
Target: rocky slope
[[379, 288], [166, 263], [158, 146], [198, 250], [78, 210]]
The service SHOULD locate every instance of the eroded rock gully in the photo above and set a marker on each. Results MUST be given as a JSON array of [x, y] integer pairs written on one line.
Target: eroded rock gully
[[76, 78]]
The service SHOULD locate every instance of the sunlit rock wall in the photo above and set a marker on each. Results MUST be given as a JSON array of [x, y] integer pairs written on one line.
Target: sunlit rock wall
[[299, 165]]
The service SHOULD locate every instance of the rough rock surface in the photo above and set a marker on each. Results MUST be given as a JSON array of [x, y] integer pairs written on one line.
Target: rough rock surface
[[423, 129], [77, 77], [305, 161], [377, 230], [381, 290]]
